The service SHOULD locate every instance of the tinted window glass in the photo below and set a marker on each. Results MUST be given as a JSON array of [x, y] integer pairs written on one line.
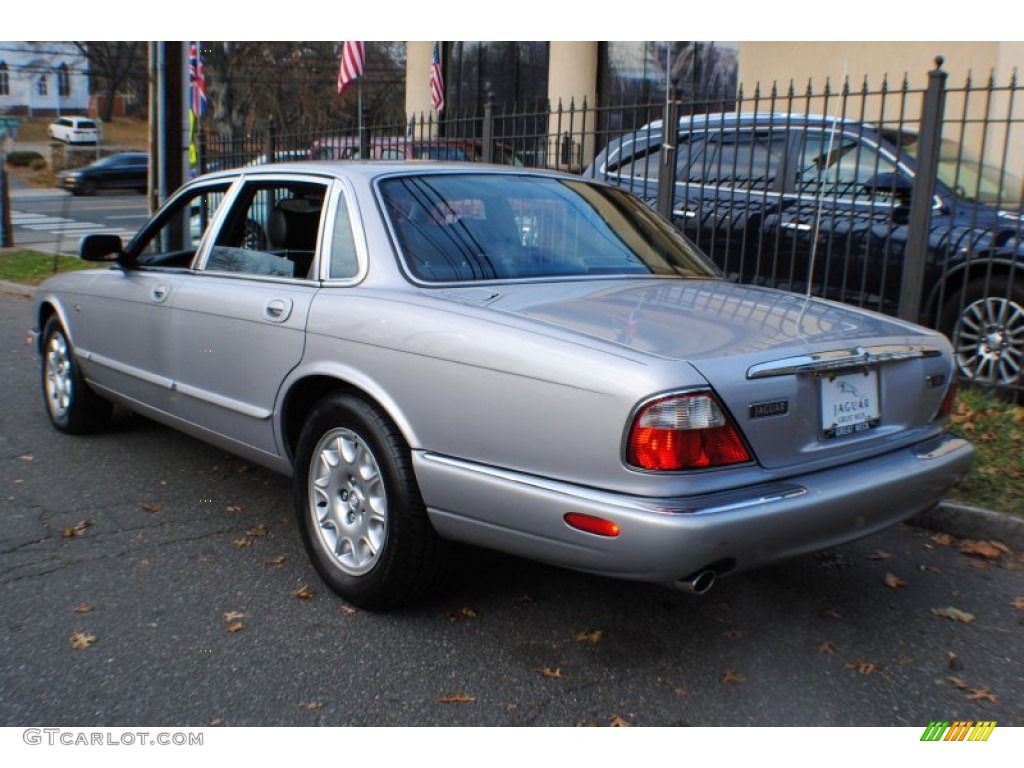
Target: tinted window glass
[[838, 165], [466, 227], [344, 262]]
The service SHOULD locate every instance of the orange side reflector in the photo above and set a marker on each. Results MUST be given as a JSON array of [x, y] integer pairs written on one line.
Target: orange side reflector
[[591, 524]]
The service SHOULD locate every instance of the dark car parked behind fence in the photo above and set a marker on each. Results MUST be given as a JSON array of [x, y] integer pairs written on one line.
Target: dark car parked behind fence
[[792, 200]]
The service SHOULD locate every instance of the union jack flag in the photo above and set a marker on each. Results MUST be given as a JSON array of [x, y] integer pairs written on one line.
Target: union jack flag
[[352, 61], [436, 81], [197, 79]]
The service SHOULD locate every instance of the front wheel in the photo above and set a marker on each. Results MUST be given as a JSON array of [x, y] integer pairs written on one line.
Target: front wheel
[[362, 519], [70, 404], [986, 326]]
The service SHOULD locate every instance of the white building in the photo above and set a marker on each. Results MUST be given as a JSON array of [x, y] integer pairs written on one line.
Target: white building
[[50, 78]]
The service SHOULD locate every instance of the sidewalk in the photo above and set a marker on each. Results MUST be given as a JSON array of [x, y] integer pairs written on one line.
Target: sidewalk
[[953, 517]]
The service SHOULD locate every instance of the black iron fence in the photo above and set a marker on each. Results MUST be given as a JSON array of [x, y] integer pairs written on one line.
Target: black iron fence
[[899, 199]]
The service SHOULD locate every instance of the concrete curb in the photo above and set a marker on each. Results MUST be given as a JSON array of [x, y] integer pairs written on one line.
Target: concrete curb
[[17, 289], [967, 522]]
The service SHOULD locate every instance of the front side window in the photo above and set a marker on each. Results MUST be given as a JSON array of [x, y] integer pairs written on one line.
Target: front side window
[[837, 165], [272, 229], [174, 237], [469, 227]]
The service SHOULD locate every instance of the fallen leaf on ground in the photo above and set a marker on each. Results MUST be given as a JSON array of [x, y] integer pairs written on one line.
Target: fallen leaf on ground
[[735, 634], [894, 582], [75, 530], [303, 593], [232, 509], [233, 616], [943, 539], [977, 563], [235, 626], [729, 676], [954, 613], [216, 722], [348, 610], [461, 613], [242, 543], [81, 640], [953, 661], [990, 550], [310, 705], [524, 599], [549, 672], [1019, 603], [827, 648], [151, 507], [982, 694], [958, 683], [618, 722], [681, 691], [588, 724], [456, 698], [259, 530], [831, 614], [274, 560], [83, 608], [26, 457], [593, 637], [879, 554], [861, 666]]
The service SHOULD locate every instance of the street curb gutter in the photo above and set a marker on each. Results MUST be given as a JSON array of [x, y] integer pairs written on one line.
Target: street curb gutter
[[953, 517], [966, 522]]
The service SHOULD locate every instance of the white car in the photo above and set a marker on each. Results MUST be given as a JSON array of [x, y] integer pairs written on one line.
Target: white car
[[75, 130]]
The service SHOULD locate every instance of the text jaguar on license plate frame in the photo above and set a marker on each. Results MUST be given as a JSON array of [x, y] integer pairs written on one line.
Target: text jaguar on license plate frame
[[849, 403]]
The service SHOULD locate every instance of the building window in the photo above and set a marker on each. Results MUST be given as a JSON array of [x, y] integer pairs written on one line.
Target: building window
[[41, 87], [5, 80], [63, 80], [511, 75]]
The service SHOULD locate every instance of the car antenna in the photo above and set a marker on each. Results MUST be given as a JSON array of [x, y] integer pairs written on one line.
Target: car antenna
[[824, 173]]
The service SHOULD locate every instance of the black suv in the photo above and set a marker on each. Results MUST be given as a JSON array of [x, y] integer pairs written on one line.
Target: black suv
[[790, 200]]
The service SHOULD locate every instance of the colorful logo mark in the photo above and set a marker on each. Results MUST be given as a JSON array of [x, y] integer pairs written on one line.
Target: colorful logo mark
[[960, 730]]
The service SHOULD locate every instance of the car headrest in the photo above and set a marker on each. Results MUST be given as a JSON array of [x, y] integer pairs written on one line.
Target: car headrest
[[294, 228]]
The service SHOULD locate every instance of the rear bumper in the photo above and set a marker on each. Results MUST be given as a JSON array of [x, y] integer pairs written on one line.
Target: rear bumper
[[664, 540]]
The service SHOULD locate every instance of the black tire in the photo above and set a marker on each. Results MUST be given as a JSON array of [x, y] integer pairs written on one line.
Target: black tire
[[362, 519], [89, 187], [71, 405], [986, 328]]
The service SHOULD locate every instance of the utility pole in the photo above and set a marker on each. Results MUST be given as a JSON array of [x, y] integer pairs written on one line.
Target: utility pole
[[168, 141]]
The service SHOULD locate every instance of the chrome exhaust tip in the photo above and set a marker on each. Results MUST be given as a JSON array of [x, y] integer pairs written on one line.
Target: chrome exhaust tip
[[698, 584]]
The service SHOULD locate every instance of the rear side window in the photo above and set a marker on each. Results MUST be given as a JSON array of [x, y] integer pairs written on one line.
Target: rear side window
[[742, 159]]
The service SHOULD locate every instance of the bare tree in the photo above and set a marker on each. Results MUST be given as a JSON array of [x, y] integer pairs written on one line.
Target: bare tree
[[112, 64]]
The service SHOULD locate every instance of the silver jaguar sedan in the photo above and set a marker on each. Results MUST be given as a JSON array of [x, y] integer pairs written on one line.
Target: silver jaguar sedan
[[523, 361]]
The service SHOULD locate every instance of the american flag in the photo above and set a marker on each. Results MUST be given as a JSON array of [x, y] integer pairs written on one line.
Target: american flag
[[436, 81], [352, 61], [197, 79]]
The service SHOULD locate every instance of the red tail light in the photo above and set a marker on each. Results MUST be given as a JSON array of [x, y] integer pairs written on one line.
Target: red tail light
[[690, 431], [948, 401]]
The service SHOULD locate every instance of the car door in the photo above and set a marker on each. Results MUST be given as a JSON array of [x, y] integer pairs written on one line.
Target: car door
[[239, 322], [124, 323], [843, 224], [728, 180]]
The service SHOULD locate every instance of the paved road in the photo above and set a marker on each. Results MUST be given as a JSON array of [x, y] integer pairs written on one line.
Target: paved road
[[53, 220], [179, 534]]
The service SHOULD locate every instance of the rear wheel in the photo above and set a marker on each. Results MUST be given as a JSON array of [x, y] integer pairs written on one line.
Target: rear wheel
[[987, 331], [70, 404], [363, 521]]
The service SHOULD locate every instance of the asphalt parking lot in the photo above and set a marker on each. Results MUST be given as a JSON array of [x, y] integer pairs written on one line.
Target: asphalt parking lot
[[149, 579]]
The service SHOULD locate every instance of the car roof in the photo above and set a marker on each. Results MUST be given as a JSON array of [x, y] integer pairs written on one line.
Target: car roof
[[368, 170]]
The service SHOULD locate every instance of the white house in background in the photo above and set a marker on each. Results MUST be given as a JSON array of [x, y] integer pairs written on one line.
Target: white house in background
[[49, 78]]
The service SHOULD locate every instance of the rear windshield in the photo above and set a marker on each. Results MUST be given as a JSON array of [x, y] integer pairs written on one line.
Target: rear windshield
[[470, 227]]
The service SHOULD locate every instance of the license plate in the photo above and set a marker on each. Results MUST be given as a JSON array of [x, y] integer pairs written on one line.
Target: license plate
[[849, 403]]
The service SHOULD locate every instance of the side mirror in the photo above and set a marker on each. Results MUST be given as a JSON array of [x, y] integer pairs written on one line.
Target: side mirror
[[889, 184], [100, 248]]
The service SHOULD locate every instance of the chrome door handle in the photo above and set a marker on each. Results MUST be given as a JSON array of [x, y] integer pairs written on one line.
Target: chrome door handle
[[278, 310], [684, 212]]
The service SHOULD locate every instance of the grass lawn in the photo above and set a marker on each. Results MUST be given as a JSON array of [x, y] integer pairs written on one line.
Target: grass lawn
[[996, 428], [32, 267]]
